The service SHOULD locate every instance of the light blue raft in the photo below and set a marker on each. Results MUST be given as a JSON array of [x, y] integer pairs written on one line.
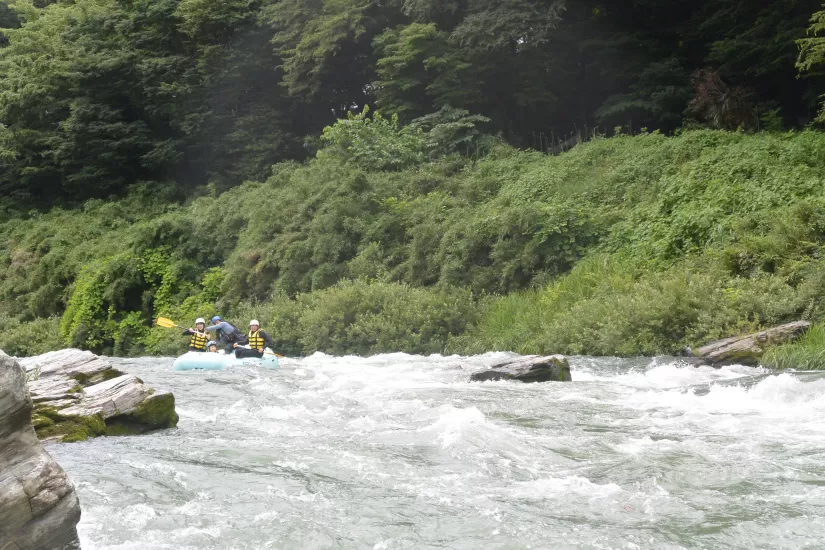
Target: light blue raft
[[217, 361]]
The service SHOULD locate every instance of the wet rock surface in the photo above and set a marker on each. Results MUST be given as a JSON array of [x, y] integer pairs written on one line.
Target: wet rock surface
[[78, 395], [530, 368], [39, 509], [748, 349]]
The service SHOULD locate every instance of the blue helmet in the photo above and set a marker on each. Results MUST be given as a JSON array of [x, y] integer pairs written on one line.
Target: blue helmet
[[216, 318]]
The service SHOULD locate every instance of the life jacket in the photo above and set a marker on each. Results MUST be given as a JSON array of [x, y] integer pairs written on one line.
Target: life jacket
[[234, 336], [256, 341], [198, 341]]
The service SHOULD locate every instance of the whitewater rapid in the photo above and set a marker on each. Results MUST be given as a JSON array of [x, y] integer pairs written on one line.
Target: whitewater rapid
[[403, 452]]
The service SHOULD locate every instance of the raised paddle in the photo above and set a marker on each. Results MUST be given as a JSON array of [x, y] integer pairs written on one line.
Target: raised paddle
[[169, 323]]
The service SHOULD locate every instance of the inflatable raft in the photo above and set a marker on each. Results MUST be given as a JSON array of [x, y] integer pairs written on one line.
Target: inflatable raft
[[218, 361]]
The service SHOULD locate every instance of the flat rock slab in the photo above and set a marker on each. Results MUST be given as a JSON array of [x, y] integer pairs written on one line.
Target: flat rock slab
[[530, 368], [82, 366], [748, 350], [39, 509], [77, 395]]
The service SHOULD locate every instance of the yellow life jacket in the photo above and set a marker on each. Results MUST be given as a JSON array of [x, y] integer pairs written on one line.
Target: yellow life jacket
[[256, 341], [198, 342]]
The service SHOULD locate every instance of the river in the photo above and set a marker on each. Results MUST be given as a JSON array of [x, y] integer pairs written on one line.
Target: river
[[403, 452]]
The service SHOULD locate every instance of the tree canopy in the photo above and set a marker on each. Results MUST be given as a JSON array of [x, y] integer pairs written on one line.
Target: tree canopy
[[99, 95]]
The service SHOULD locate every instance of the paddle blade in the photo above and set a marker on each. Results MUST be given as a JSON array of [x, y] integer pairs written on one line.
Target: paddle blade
[[164, 322]]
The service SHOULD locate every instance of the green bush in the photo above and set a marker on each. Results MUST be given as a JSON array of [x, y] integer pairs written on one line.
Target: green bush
[[609, 305], [363, 318], [32, 337], [378, 143], [374, 143]]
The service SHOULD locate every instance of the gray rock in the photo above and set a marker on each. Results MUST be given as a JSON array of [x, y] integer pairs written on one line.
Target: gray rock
[[78, 395], [748, 350], [530, 368], [39, 509]]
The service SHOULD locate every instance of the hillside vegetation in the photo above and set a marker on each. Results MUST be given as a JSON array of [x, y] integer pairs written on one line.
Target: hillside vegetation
[[414, 175], [390, 240]]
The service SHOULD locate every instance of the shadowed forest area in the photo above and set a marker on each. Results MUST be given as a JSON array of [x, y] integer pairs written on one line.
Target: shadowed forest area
[[99, 95]]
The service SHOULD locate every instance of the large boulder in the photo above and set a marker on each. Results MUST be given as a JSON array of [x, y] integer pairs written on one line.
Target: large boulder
[[530, 368], [748, 350], [78, 395], [38, 506]]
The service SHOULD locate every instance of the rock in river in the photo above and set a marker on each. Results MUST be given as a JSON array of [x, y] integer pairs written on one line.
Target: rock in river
[[748, 350], [38, 506], [78, 395], [530, 368]]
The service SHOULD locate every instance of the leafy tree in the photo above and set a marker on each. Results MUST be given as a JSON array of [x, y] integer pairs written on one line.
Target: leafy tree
[[111, 94], [8, 20], [418, 61], [656, 100], [326, 47], [811, 60], [100, 95]]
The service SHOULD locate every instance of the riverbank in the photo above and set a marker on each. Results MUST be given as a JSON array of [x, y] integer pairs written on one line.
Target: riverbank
[[637, 245]]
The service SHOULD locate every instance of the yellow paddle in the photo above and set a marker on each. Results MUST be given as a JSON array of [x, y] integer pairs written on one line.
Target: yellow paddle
[[169, 323]]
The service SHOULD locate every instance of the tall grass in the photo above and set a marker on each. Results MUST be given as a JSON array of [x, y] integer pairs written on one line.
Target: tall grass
[[806, 353]]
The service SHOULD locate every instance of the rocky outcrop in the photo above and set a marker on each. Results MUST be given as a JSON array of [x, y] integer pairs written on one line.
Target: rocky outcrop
[[38, 506], [77, 395], [748, 350], [530, 368]]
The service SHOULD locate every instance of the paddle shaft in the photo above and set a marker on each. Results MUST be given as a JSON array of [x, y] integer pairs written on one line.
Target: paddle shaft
[[266, 352]]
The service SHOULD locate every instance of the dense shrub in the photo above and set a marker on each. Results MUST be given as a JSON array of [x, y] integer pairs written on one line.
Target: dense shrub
[[608, 307], [360, 317], [628, 245], [31, 338]]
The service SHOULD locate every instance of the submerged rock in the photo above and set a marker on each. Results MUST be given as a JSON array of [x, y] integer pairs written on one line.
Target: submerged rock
[[748, 350], [78, 395], [693, 361], [38, 506], [530, 368]]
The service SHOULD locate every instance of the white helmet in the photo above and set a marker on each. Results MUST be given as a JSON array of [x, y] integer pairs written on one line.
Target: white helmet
[[254, 322], [200, 320]]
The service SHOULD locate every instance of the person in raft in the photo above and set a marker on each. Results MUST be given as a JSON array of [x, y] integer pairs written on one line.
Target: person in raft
[[212, 346], [228, 335], [199, 338], [256, 340]]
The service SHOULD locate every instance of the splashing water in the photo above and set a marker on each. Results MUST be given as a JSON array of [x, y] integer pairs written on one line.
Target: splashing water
[[397, 451]]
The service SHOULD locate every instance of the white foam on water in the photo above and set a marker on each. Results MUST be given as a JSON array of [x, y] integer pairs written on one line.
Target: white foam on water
[[453, 424], [671, 374], [782, 395], [403, 451], [564, 488]]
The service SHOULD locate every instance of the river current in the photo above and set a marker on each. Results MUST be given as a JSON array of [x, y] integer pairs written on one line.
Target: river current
[[403, 452]]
